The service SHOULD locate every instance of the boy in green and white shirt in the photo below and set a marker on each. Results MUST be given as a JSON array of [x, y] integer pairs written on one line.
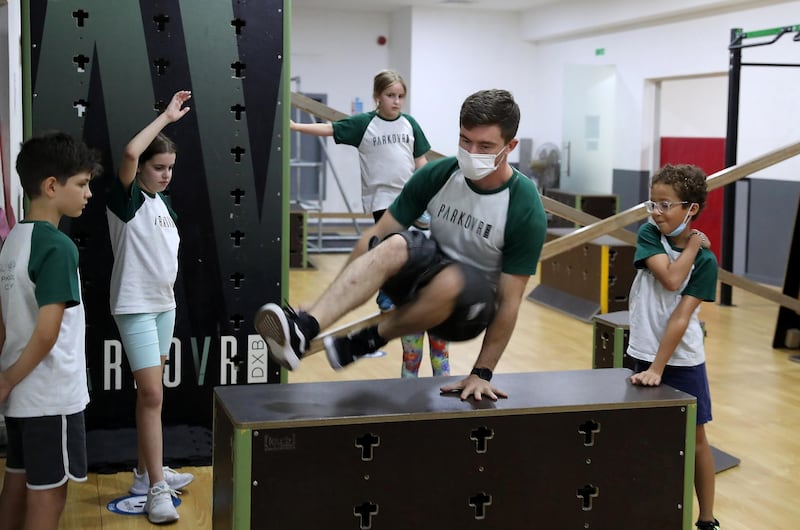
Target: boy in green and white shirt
[[676, 272], [43, 390]]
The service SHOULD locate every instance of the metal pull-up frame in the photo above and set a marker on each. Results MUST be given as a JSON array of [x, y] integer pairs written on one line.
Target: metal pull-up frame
[[737, 44]]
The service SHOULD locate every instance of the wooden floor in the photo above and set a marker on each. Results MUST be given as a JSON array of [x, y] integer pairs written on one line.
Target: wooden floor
[[755, 393]]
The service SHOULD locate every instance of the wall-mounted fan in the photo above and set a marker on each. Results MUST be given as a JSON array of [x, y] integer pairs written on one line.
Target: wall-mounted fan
[[546, 166]]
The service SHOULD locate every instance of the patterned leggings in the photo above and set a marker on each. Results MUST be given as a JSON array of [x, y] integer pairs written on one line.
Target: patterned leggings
[[412, 355]]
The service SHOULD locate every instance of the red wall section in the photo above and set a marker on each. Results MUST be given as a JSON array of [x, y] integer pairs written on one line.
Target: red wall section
[[709, 155]]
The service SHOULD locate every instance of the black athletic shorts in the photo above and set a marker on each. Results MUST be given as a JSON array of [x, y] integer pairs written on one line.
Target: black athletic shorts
[[48, 449], [474, 308]]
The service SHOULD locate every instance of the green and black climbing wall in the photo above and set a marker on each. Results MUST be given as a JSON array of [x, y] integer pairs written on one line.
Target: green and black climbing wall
[[101, 70]]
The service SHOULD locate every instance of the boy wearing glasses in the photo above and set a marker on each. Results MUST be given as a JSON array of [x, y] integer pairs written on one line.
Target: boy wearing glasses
[[676, 271]]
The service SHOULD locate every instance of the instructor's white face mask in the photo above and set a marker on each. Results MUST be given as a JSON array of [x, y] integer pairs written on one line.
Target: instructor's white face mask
[[476, 166]]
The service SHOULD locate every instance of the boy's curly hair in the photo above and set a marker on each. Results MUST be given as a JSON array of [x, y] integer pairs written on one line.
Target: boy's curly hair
[[688, 181]]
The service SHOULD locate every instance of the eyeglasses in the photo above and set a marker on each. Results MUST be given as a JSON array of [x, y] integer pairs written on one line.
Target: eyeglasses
[[661, 206]]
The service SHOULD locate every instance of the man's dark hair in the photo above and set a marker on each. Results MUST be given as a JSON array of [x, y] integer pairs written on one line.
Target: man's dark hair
[[491, 107]]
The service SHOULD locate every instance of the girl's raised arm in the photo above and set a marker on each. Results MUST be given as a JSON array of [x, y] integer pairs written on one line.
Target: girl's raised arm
[[130, 158]]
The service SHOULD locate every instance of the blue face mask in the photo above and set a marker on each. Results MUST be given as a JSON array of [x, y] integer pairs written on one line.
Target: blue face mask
[[680, 228]]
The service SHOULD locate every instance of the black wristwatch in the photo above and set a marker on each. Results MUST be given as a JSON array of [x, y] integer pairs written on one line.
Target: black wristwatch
[[483, 373]]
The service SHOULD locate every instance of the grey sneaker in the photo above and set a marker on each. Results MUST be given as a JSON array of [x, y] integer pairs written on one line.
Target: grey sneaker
[[159, 507], [278, 327], [174, 479]]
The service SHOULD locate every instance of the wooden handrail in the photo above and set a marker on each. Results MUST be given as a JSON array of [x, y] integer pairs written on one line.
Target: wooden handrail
[[726, 277], [637, 213]]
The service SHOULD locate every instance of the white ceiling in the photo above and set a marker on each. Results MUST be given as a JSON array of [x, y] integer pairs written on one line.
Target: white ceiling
[[392, 5], [594, 15]]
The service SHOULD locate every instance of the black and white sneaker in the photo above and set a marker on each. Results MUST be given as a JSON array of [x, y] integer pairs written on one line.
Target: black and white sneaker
[[339, 351], [342, 351], [279, 328], [708, 525]]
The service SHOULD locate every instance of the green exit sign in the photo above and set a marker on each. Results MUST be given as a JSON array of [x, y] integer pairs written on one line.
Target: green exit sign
[[600, 51]]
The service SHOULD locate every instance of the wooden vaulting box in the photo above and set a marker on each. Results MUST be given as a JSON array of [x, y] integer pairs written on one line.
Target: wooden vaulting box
[[574, 449], [590, 279]]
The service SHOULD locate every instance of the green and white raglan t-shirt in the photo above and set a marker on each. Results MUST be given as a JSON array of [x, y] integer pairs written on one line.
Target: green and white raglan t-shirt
[[39, 267], [145, 240], [496, 231], [386, 152], [651, 304]]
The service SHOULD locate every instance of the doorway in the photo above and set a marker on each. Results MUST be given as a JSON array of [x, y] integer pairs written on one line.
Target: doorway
[[589, 121]]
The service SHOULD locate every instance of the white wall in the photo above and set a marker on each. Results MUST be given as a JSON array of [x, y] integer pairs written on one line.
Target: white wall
[[335, 52], [694, 47], [400, 46], [4, 89], [454, 57], [453, 53], [446, 54], [579, 18], [11, 95], [694, 107], [769, 113]]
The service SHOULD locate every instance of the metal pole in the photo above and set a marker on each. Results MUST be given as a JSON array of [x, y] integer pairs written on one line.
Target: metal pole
[[731, 141]]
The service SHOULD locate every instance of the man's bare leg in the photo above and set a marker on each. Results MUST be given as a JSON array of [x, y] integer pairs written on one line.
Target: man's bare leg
[[360, 280], [288, 335], [433, 305]]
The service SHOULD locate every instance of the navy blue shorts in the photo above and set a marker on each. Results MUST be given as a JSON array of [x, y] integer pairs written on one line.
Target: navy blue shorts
[[48, 449], [690, 379], [474, 307]]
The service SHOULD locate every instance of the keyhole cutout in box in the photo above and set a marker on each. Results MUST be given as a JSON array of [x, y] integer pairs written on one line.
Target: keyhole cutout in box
[[481, 437], [480, 502], [587, 494], [589, 429], [367, 443], [365, 512]]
